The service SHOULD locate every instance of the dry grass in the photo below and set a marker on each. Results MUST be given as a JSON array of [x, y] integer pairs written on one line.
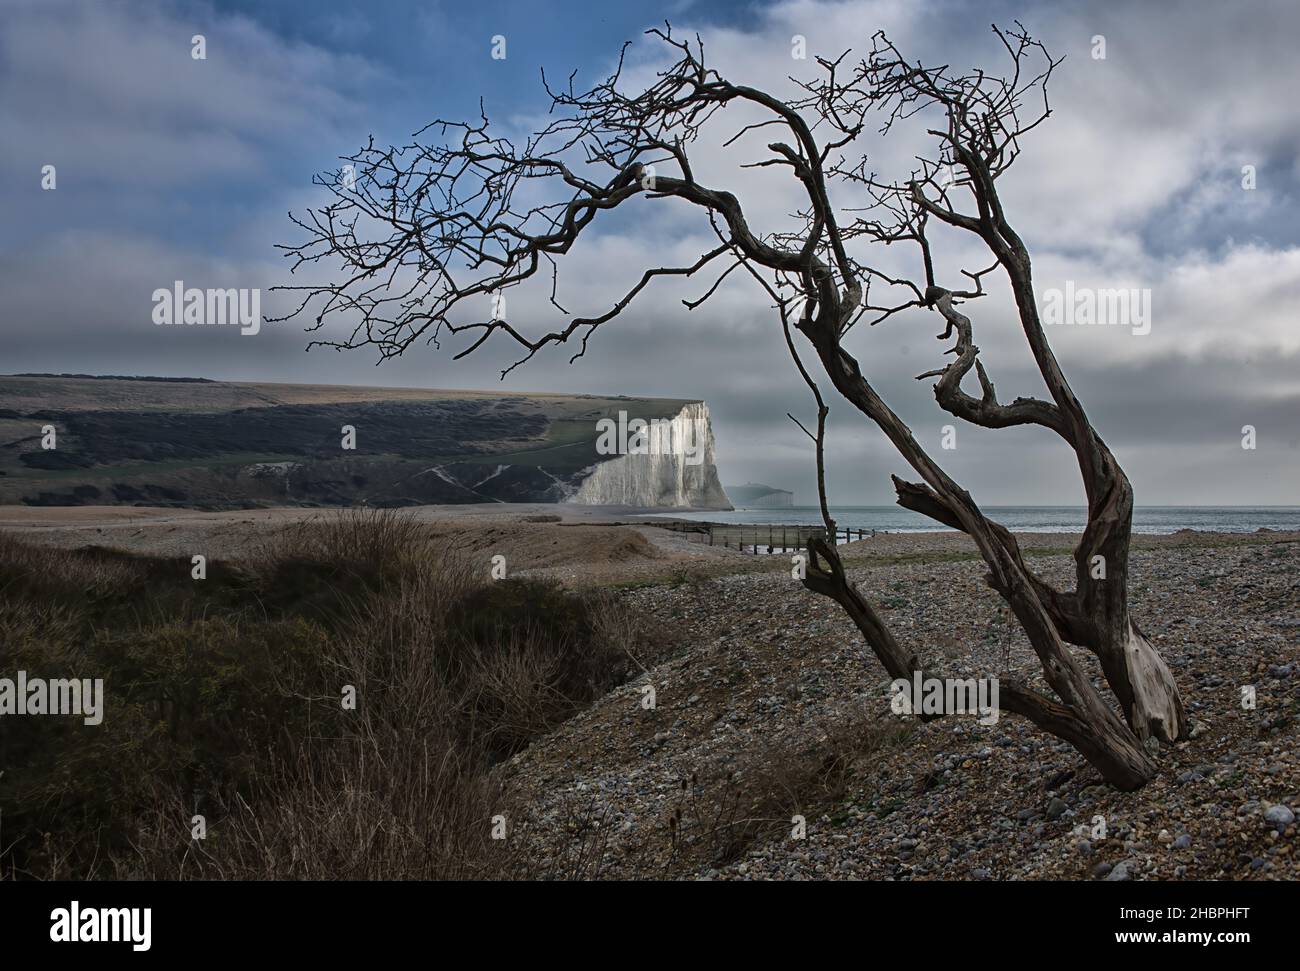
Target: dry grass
[[715, 820], [719, 814], [224, 699]]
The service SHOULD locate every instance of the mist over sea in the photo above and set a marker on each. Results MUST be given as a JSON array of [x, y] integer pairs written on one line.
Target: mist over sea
[[1024, 519]]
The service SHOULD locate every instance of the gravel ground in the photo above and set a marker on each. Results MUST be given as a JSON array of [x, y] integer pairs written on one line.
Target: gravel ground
[[758, 709]]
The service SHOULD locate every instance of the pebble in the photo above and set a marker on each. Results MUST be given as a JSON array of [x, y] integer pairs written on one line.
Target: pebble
[[1121, 872], [1279, 817]]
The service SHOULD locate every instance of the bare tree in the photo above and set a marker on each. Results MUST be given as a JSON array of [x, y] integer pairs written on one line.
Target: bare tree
[[427, 234]]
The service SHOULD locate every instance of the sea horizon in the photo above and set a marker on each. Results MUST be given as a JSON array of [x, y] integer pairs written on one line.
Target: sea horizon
[[1153, 519]]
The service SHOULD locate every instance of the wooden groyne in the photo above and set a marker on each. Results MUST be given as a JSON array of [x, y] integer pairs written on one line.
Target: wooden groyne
[[758, 537]]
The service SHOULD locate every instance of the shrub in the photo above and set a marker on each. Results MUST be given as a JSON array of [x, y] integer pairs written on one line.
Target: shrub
[[223, 698]]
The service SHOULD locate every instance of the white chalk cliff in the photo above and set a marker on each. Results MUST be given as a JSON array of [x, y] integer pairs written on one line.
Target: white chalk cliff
[[677, 471]]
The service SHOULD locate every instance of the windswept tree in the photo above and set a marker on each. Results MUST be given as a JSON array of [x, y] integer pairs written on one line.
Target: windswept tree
[[420, 241]]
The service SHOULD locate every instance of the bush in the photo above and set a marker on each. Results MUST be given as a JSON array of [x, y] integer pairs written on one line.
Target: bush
[[223, 698]]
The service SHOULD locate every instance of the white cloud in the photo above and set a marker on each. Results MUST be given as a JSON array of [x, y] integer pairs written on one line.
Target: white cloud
[[110, 91]]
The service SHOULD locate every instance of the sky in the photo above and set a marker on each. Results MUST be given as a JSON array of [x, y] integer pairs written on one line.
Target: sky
[[167, 167]]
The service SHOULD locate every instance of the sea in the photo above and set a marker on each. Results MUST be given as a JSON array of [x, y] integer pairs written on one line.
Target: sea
[[1020, 519]]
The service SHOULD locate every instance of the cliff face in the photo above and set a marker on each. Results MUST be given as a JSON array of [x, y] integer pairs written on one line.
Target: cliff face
[[675, 468]]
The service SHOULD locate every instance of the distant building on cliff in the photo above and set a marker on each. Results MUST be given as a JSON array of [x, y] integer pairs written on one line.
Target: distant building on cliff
[[754, 496]]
